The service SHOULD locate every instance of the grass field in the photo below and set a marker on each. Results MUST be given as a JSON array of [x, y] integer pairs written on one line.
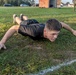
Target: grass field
[[24, 55]]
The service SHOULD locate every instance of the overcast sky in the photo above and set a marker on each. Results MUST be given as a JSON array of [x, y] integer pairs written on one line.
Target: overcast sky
[[64, 1]]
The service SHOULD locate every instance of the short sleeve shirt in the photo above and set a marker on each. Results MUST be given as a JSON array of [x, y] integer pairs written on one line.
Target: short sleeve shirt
[[35, 31]]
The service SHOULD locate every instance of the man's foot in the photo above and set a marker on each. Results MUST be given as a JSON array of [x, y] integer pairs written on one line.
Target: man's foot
[[14, 18], [21, 16], [2, 46]]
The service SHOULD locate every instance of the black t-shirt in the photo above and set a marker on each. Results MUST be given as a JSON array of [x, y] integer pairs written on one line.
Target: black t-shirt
[[35, 31]]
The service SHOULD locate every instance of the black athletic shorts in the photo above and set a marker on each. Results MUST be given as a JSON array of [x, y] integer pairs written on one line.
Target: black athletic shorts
[[29, 21], [31, 28]]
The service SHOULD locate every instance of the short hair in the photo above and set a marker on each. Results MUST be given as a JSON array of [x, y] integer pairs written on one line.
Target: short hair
[[53, 24]]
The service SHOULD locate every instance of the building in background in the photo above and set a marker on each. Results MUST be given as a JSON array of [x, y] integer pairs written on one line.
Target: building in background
[[49, 3]]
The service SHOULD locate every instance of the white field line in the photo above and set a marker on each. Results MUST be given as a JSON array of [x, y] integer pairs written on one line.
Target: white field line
[[53, 68]]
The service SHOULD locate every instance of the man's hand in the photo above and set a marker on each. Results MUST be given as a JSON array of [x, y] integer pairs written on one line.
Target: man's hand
[[2, 46], [74, 32]]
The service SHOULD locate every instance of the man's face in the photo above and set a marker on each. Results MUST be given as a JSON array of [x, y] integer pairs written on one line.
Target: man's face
[[52, 35]]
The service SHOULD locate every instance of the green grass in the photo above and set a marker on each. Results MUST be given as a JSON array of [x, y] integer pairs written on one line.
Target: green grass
[[24, 55], [69, 70]]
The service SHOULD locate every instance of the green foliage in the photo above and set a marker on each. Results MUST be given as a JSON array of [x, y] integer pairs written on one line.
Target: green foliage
[[16, 2], [24, 55]]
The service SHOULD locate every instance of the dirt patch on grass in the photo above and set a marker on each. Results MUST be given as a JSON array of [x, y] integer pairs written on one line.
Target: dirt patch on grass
[[34, 47], [68, 54]]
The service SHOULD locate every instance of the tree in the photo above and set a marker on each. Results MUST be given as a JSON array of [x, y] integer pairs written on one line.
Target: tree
[[1, 2], [74, 2], [17, 2], [67, 3], [33, 2], [29, 2]]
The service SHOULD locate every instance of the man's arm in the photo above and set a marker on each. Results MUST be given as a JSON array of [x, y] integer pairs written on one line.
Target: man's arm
[[68, 28], [7, 35]]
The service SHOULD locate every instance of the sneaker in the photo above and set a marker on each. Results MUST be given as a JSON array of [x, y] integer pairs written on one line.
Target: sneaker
[[21, 16], [14, 16]]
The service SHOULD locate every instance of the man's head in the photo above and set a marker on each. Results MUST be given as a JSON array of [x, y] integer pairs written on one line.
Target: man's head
[[52, 29]]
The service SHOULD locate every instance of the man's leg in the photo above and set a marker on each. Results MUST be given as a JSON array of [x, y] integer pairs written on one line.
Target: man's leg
[[23, 17], [7, 35], [16, 19], [19, 20], [30, 21]]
